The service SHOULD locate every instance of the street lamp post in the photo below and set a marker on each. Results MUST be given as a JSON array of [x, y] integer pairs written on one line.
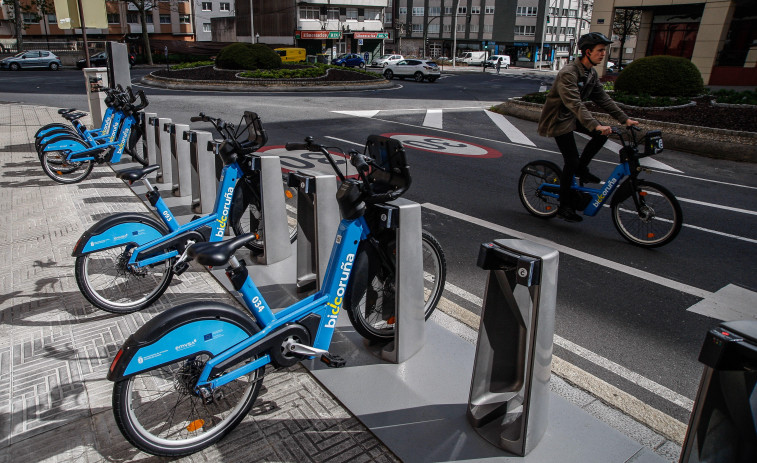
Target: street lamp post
[[425, 34], [454, 34]]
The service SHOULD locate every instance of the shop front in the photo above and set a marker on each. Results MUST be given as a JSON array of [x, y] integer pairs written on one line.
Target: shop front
[[321, 43]]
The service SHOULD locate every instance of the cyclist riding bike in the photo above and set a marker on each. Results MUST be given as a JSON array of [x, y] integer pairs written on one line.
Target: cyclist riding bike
[[565, 112]]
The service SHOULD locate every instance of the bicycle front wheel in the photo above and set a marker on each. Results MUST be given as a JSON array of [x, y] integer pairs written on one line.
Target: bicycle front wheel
[[110, 284], [246, 215], [531, 188], [656, 220], [55, 165], [159, 412]]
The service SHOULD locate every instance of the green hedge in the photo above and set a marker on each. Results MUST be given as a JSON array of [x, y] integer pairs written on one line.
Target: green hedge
[[735, 97], [193, 64], [660, 76], [299, 72], [248, 56], [648, 100], [540, 97]]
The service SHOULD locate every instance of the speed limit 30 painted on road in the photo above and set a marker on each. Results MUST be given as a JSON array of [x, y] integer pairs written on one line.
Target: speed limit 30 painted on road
[[444, 145], [312, 162]]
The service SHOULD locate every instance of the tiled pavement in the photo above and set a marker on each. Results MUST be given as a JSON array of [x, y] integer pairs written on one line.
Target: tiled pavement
[[55, 348]]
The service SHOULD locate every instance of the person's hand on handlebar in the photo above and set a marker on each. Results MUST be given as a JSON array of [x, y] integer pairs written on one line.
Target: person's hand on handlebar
[[604, 129], [631, 122]]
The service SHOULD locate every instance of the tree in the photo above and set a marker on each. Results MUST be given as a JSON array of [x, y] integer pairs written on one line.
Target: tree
[[143, 7], [625, 24], [35, 11]]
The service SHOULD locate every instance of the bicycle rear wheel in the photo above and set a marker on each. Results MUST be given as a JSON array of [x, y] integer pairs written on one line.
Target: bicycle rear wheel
[[246, 215], [530, 188], [159, 412], [58, 168], [370, 299], [106, 281], [655, 222]]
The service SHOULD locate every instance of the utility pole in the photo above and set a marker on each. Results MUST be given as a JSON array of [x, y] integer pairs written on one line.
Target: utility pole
[[543, 32], [84, 34], [425, 35], [454, 34]]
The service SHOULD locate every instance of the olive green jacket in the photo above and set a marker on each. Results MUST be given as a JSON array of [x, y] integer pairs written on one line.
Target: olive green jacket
[[565, 101]]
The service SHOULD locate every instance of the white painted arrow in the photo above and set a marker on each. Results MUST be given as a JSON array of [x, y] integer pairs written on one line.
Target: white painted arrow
[[510, 131], [366, 113], [729, 303]]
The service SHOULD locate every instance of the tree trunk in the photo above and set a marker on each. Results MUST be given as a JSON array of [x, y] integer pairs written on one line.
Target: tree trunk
[[145, 35], [19, 25], [620, 55]]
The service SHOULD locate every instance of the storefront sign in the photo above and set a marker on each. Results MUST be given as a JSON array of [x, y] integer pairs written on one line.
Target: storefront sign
[[521, 44], [318, 35], [371, 35]]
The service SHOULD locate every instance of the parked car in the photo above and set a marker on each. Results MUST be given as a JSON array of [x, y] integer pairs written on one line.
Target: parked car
[[415, 68], [100, 60], [386, 60], [349, 60], [492, 62], [291, 55], [31, 59], [473, 58]]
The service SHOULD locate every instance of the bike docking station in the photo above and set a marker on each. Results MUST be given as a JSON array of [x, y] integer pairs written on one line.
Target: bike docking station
[[202, 171], [148, 140], [276, 244], [162, 143], [181, 166]]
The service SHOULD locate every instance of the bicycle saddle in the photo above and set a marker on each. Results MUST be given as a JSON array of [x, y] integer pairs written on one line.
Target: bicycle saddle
[[132, 175], [66, 110], [218, 253], [73, 116]]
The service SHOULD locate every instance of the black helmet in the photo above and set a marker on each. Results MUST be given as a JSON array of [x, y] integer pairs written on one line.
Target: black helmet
[[591, 39]]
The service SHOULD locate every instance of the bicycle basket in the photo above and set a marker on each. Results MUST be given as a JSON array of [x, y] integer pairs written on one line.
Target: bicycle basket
[[389, 155], [653, 143]]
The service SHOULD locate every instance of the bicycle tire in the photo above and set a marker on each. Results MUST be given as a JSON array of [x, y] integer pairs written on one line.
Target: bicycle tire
[[118, 293], [370, 297], [158, 412], [246, 215], [660, 210], [55, 166], [536, 204]]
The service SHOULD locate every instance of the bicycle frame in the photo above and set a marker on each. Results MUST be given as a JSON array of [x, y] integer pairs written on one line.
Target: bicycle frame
[[79, 152], [92, 136]]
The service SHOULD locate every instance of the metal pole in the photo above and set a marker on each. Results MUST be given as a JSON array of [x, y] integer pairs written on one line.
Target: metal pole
[[454, 34], [252, 24], [543, 33], [83, 33]]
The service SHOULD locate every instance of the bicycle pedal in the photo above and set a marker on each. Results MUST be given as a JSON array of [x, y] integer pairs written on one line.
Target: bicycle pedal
[[180, 268], [333, 360]]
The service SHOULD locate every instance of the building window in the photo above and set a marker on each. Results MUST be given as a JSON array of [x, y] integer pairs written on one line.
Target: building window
[[434, 10], [525, 30], [403, 10], [148, 17], [184, 19], [351, 13], [309, 12], [462, 10], [488, 28], [225, 6], [447, 28], [473, 28], [114, 18], [372, 14], [460, 28], [418, 11], [132, 18], [475, 10], [332, 13], [206, 27], [526, 11], [433, 28], [571, 32], [562, 31], [30, 18], [417, 27], [207, 6], [572, 13], [52, 19], [448, 10], [489, 10], [165, 19]]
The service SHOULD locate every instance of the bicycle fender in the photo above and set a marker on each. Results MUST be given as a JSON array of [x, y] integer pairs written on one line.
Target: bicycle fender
[[119, 229], [46, 132], [65, 142], [528, 170], [181, 332]]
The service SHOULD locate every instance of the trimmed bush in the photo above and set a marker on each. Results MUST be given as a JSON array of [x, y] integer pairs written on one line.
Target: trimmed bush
[[248, 56], [735, 97], [649, 101], [661, 76], [193, 64], [539, 97]]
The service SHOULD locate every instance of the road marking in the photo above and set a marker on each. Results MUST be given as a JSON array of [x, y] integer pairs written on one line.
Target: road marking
[[366, 113], [716, 206], [345, 141], [444, 145], [667, 282], [433, 118], [646, 162], [510, 131], [731, 302]]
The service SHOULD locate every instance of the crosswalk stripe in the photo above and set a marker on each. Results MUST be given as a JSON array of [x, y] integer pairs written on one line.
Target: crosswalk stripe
[[515, 135], [433, 118]]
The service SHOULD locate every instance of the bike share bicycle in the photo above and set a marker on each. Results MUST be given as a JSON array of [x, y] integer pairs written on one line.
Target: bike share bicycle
[[69, 158], [644, 213], [126, 261], [191, 374]]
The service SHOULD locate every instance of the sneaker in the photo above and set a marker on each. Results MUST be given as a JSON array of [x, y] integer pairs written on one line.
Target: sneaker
[[568, 214], [588, 177]]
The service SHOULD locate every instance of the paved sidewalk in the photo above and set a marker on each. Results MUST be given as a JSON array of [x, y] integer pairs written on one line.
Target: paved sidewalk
[[55, 348]]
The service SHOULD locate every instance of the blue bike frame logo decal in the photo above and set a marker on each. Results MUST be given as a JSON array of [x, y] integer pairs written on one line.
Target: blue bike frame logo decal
[[124, 136], [225, 213], [346, 268], [608, 188]]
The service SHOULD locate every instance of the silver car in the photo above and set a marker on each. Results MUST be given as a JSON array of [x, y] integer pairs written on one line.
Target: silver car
[[419, 70], [31, 59]]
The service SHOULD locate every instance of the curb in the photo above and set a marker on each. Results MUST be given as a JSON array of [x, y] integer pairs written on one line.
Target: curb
[[181, 84], [690, 139]]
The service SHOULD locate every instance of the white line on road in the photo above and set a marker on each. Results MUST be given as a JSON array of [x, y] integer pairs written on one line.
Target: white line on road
[[716, 206], [510, 131], [344, 141], [433, 118]]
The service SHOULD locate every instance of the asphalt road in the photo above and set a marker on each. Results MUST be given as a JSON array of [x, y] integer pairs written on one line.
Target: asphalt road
[[622, 311]]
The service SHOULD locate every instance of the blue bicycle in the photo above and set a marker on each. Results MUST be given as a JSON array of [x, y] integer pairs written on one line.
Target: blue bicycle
[[644, 213], [126, 261], [69, 157], [191, 374]]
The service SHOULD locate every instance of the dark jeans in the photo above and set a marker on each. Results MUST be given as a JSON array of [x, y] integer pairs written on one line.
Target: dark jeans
[[573, 163]]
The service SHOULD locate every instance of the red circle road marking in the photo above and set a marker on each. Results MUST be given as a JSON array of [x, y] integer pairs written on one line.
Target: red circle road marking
[[444, 145]]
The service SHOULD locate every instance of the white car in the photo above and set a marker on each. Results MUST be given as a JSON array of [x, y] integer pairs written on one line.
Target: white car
[[386, 60], [419, 70]]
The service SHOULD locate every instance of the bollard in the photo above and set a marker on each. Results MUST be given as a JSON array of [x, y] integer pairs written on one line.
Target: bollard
[[509, 394], [202, 171], [317, 223], [180, 165], [148, 139]]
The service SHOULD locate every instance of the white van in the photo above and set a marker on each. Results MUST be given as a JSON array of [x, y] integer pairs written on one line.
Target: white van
[[473, 58], [492, 62]]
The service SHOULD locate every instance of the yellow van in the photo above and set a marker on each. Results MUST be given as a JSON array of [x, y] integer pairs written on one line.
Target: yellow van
[[291, 55]]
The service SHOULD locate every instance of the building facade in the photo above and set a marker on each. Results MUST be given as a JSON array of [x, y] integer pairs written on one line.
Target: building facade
[[718, 36]]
